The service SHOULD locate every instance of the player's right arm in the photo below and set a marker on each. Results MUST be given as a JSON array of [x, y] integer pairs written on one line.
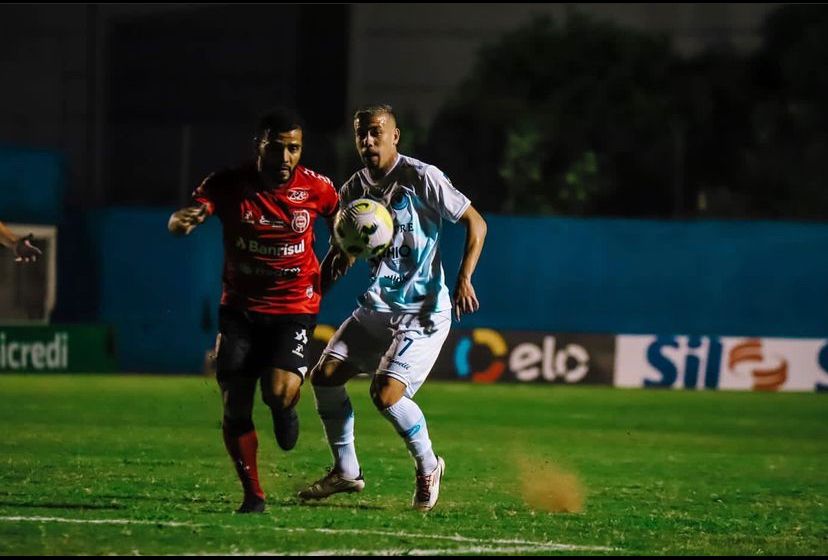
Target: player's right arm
[[185, 220]]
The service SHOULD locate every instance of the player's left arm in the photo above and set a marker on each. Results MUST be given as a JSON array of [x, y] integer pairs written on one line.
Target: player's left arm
[[336, 262], [465, 299]]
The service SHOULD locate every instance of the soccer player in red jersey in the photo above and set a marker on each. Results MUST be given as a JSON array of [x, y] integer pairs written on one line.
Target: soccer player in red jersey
[[271, 285]]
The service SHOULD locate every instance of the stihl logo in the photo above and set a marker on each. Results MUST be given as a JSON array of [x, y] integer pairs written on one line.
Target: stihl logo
[[253, 246], [769, 373]]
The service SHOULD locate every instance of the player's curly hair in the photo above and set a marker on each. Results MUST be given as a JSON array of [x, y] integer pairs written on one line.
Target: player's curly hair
[[278, 119]]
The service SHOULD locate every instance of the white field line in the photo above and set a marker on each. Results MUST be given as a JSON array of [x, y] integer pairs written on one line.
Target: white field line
[[411, 551], [99, 521], [484, 545]]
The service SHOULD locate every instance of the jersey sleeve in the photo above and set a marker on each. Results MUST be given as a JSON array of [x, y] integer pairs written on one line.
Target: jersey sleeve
[[207, 193], [329, 200], [347, 193], [441, 195]]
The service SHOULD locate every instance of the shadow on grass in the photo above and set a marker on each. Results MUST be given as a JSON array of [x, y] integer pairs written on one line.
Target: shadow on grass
[[59, 505], [275, 507], [336, 506]]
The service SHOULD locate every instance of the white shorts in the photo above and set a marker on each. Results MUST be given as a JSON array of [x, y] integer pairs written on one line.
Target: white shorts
[[401, 345]]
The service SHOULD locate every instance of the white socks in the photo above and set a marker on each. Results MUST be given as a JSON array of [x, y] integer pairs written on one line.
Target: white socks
[[334, 408], [410, 423]]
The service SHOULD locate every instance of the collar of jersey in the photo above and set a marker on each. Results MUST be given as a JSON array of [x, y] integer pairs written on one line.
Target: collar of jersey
[[371, 181]]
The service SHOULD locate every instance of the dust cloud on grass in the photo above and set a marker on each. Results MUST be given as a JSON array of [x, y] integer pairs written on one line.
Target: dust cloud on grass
[[546, 486]]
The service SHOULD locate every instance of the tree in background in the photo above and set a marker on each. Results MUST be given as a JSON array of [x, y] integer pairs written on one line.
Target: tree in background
[[565, 119], [787, 168], [588, 118]]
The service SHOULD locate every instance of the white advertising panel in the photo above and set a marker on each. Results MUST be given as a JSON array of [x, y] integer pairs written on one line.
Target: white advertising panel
[[729, 363]]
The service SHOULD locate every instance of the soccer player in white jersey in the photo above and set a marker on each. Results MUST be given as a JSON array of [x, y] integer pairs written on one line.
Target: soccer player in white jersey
[[404, 317]]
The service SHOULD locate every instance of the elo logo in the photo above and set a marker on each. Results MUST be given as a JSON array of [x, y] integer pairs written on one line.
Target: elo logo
[[529, 361], [496, 345]]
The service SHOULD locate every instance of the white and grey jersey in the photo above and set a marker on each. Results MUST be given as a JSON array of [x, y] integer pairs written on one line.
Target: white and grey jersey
[[409, 276]]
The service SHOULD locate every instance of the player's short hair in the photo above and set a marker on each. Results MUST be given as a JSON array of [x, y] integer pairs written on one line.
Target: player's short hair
[[278, 119], [373, 110]]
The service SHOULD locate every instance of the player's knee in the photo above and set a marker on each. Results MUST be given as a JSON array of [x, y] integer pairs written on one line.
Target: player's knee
[[237, 425], [324, 374], [238, 410], [281, 399], [383, 398]]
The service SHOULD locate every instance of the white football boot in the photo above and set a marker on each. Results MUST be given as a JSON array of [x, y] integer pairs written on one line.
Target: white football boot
[[428, 487]]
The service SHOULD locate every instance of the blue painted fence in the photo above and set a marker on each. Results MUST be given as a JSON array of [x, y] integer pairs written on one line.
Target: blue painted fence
[[555, 274]]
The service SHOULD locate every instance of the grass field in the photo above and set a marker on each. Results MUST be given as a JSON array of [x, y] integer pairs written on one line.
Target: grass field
[[136, 465]]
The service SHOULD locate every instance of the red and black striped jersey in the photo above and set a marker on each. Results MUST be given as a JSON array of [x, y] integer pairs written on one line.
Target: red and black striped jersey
[[269, 263]]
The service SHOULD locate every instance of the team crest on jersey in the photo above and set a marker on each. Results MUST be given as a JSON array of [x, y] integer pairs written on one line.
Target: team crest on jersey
[[297, 195], [399, 201], [301, 221]]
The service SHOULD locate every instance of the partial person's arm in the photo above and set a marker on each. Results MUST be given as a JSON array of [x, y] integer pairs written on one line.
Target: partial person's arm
[[184, 221], [22, 247], [465, 300], [335, 264]]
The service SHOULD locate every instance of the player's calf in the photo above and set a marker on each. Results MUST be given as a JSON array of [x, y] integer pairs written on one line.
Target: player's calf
[[285, 427], [281, 393]]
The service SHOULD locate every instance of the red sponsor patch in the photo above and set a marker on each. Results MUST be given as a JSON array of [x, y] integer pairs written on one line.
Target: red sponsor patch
[[297, 195]]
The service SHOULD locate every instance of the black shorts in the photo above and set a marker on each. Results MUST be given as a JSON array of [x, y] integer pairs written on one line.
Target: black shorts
[[251, 343]]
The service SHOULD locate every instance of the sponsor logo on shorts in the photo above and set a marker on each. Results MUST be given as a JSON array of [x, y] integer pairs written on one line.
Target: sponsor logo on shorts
[[301, 336]]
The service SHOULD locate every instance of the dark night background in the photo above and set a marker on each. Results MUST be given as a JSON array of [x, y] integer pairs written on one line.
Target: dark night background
[[630, 149]]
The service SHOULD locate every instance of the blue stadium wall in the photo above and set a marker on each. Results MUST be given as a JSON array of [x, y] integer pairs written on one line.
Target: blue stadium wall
[[553, 274], [32, 185]]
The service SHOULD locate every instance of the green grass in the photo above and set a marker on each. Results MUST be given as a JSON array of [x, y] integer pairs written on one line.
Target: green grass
[[664, 472]]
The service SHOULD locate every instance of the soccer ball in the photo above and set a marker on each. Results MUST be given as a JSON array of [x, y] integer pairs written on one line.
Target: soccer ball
[[363, 228]]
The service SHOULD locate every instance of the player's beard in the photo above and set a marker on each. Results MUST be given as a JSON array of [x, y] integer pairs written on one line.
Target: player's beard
[[275, 172]]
